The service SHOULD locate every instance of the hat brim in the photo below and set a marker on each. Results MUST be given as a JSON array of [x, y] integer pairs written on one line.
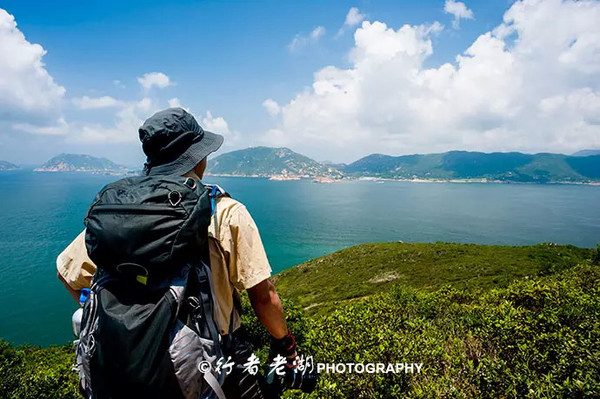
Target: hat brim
[[210, 143]]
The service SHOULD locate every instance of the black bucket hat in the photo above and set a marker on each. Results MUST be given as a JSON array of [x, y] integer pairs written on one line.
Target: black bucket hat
[[174, 142]]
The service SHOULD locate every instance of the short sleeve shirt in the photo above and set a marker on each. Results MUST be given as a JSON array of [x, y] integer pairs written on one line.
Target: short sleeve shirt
[[237, 259]]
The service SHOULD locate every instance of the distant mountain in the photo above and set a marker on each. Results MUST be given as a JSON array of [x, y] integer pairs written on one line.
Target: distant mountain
[[586, 153], [338, 166], [511, 166], [8, 166], [267, 161], [82, 163]]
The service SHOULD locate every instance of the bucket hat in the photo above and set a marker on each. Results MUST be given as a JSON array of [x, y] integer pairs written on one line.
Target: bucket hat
[[174, 142]]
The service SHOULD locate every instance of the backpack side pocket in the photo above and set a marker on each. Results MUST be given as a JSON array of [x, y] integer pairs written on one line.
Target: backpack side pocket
[[193, 358], [86, 345]]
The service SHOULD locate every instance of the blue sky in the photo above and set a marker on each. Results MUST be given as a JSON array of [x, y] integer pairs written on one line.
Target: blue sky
[[229, 57]]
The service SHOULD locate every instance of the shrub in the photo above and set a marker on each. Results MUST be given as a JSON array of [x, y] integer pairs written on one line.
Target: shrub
[[34, 372], [538, 337]]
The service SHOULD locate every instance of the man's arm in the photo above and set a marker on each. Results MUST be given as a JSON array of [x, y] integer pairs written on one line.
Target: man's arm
[[74, 293], [269, 311], [75, 269], [268, 308], [249, 270]]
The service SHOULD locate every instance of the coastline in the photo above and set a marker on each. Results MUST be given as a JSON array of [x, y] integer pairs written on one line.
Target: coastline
[[327, 179], [107, 172]]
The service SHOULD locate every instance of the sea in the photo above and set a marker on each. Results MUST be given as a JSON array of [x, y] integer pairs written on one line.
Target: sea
[[41, 212]]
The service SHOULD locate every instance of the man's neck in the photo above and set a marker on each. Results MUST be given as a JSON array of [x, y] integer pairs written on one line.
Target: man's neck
[[193, 175]]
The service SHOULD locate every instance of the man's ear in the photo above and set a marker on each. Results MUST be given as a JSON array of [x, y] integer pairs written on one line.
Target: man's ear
[[200, 168]]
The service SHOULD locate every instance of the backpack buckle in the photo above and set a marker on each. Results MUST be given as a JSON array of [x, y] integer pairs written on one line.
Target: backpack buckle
[[194, 304], [174, 198], [189, 182]]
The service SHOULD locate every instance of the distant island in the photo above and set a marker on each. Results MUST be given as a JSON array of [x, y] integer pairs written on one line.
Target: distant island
[[8, 166], [453, 166], [82, 163], [479, 166], [275, 163]]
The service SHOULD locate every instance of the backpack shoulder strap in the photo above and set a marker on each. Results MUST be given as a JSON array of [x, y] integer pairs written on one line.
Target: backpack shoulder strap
[[215, 191]]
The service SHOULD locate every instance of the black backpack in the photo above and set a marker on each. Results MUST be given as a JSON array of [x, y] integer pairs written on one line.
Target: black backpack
[[147, 328]]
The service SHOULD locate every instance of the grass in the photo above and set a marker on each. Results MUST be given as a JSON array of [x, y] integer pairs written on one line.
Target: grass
[[536, 338], [368, 269]]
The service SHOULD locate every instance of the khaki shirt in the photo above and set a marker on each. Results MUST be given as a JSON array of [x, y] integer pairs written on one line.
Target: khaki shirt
[[237, 259]]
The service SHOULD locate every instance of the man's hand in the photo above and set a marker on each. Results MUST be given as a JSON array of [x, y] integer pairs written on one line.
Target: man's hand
[[285, 347]]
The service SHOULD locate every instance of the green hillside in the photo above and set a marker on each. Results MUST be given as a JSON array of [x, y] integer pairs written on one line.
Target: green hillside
[[510, 166], [536, 338], [367, 269], [461, 165], [267, 161], [484, 321]]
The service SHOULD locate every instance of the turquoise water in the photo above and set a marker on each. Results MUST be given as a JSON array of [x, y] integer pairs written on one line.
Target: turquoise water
[[40, 213]]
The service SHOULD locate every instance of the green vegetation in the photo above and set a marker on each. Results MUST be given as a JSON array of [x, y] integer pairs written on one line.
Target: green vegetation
[[33, 372], [485, 321], [267, 161], [536, 338], [372, 268], [510, 166], [460, 165]]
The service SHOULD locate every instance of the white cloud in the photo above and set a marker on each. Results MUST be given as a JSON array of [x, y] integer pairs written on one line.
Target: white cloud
[[531, 84], [174, 102], [459, 10], [124, 128], [27, 91], [317, 32], [31, 102], [60, 128], [86, 102], [158, 79], [271, 106], [297, 42], [128, 119], [301, 41], [353, 18], [118, 83], [220, 126], [215, 125]]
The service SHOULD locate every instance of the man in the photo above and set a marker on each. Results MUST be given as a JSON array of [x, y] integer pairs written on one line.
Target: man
[[175, 144]]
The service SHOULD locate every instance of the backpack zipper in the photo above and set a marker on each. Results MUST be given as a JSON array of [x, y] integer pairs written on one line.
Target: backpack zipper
[[139, 208]]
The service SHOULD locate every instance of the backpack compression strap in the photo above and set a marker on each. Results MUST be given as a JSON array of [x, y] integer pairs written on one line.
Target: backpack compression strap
[[214, 384], [208, 302]]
